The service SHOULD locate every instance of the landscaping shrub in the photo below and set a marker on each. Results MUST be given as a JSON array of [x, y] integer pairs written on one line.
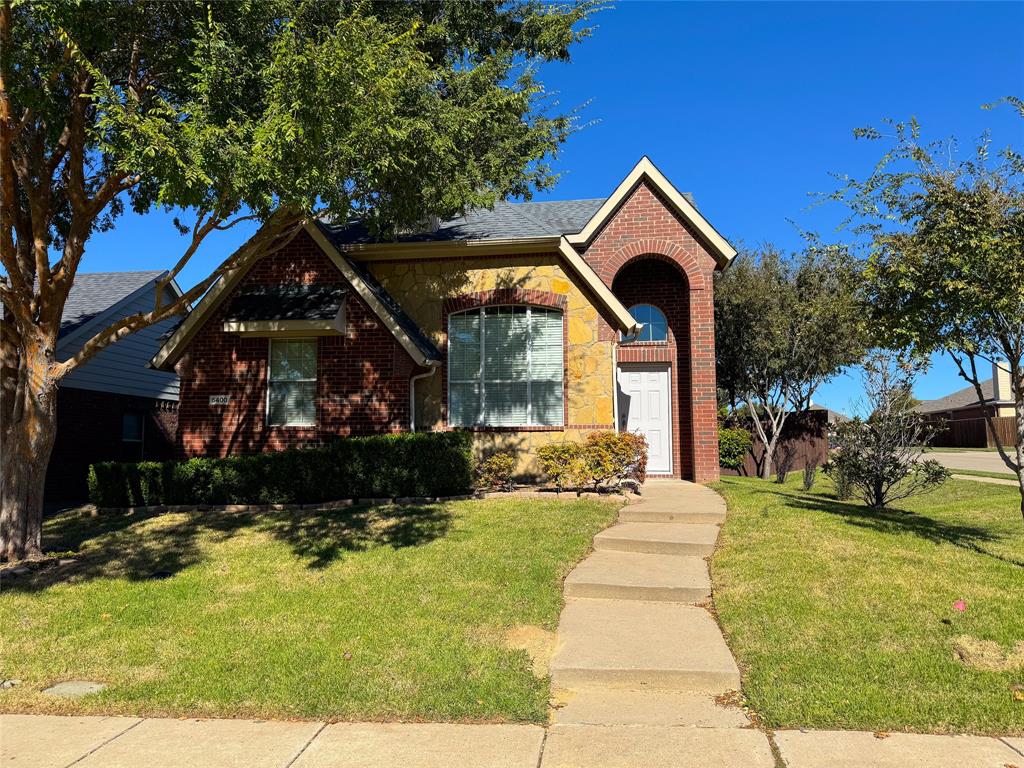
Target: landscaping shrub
[[602, 458], [409, 464], [562, 463], [495, 472], [733, 445], [810, 474]]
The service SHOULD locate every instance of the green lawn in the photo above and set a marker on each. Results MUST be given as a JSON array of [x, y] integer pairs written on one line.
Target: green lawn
[[842, 617], [385, 613]]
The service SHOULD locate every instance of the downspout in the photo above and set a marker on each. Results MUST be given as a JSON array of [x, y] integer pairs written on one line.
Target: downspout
[[412, 394]]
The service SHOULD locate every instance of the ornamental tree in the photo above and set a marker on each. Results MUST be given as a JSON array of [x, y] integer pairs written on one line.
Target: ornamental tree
[[881, 456], [269, 111], [946, 264], [783, 327]]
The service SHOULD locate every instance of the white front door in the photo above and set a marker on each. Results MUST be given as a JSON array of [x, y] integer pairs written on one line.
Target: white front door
[[645, 407]]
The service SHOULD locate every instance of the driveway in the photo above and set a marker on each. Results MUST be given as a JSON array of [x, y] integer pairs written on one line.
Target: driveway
[[979, 461]]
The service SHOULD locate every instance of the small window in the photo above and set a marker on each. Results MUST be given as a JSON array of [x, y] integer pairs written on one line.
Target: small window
[[505, 367], [655, 327], [291, 394], [131, 427]]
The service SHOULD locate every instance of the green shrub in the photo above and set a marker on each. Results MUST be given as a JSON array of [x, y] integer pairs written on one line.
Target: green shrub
[[495, 472], [603, 458], [733, 445], [562, 463], [408, 464]]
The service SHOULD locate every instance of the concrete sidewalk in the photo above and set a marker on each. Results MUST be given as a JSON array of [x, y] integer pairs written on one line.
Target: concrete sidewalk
[[640, 668]]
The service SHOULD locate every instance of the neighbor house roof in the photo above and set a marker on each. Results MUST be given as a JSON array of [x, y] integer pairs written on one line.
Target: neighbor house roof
[[962, 398], [93, 293], [96, 300]]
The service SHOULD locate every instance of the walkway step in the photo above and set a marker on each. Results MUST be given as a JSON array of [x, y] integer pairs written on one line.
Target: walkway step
[[613, 706], [633, 643], [659, 538], [636, 576], [579, 746], [641, 513]]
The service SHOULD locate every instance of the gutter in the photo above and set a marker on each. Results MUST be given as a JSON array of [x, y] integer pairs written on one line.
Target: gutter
[[412, 394]]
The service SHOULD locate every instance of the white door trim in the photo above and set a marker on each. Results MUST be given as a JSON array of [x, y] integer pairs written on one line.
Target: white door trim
[[621, 417]]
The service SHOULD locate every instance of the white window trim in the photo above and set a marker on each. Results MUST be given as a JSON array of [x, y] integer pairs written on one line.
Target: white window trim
[[635, 339], [270, 352], [480, 424]]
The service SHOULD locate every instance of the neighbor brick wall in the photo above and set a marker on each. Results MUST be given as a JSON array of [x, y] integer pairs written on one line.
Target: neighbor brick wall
[[362, 376], [89, 430], [644, 228]]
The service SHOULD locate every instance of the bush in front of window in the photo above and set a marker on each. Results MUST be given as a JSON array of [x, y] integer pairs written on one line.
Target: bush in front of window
[[495, 472], [408, 464]]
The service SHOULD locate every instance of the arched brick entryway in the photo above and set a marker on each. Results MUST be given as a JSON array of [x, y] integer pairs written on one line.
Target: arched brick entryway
[[656, 280]]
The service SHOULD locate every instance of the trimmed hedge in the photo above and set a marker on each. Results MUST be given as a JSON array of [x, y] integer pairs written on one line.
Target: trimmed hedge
[[408, 464]]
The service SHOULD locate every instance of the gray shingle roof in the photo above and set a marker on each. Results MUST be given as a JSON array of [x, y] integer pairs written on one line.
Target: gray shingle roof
[[962, 398], [507, 221], [287, 302], [93, 293]]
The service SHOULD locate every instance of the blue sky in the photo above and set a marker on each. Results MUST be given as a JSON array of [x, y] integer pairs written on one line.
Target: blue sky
[[747, 106]]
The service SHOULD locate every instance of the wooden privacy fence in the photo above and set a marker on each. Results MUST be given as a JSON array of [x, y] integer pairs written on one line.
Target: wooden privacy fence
[[804, 440], [972, 433]]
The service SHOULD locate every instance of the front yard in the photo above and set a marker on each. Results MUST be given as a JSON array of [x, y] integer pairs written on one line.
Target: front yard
[[843, 617], [379, 613]]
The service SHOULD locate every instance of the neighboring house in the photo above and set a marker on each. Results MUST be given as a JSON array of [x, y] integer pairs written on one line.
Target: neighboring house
[[526, 324], [113, 407], [961, 415]]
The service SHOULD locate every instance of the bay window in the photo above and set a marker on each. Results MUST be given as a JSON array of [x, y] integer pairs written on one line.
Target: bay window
[[505, 367]]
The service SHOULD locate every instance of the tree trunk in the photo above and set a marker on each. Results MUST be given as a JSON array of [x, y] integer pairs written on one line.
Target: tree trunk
[[25, 446], [1019, 414], [767, 464]]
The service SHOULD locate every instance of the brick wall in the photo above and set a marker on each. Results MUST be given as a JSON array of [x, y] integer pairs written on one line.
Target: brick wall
[[89, 429], [362, 376], [646, 232], [659, 283]]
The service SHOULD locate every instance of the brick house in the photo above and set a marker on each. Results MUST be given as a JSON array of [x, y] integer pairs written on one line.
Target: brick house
[[527, 324], [112, 407]]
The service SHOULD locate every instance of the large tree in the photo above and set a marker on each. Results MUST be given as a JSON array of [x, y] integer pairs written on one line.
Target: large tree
[[946, 268], [783, 327], [270, 111]]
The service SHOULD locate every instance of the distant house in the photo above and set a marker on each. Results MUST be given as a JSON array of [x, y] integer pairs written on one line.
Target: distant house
[[961, 414], [113, 407]]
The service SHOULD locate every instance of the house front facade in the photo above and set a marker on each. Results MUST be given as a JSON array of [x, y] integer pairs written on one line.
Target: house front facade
[[526, 324]]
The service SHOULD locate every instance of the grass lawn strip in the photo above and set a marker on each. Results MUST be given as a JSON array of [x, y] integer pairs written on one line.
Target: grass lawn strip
[[367, 614], [843, 617]]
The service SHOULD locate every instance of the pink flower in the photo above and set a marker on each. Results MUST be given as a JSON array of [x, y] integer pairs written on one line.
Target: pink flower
[[960, 605]]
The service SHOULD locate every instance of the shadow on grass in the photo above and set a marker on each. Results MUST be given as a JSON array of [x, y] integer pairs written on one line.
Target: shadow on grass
[[154, 546], [891, 521]]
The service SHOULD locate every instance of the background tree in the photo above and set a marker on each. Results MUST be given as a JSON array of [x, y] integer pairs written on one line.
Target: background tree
[[880, 457], [946, 268], [784, 326], [270, 111]]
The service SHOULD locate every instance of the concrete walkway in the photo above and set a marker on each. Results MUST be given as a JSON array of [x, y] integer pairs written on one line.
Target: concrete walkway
[[983, 479], [638, 673]]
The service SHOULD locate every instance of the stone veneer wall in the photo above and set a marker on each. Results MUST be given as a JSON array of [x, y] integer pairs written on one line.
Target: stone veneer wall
[[423, 287]]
